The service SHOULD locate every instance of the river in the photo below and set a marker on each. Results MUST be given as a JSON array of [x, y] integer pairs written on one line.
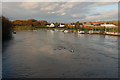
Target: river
[[48, 54]]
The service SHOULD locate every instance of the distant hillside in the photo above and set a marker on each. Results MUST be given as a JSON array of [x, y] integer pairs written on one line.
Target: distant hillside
[[42, 22]]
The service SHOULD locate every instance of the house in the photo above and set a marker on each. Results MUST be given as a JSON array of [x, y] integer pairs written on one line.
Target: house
[[108, 25], [50, 25], [61, 25], [73, 25]]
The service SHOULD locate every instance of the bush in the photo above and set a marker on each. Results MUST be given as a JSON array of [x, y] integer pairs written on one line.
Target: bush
[[6, 28]]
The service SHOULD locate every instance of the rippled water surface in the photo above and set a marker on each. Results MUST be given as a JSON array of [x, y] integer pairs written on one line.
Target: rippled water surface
[[46, 54]]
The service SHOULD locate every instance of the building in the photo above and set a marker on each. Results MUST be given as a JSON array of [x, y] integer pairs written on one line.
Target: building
[[61, 25], [50, 25], [108, 25]]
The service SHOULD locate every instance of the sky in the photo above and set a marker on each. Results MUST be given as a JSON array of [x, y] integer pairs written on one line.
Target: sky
[[61, 11]]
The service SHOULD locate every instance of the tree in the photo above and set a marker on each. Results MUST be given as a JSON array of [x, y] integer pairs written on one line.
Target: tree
[[77, 25], [32, 20], [6, 28], [56, 24]]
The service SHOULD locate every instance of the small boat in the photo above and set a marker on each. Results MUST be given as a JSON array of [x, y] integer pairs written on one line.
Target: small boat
[[66, 31], [90, 32], [52, 31], [14, 32], [56, 29], [81, 32]]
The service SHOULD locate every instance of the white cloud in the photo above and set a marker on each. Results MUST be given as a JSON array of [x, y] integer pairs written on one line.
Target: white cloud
[[0, 9], [51, 12], [75, 15], [102, 3], [60, 11], [53, 8], [68, 5], [63, 14], [60, 0], [63, 8], [49, 6], [29, 5]]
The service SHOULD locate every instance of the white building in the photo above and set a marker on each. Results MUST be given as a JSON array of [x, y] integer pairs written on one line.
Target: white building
[[51, 25], [108, 25], [61, 25], [48, 25], [72, 25]]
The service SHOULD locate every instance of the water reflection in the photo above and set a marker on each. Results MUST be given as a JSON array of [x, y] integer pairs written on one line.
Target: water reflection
[[43, 54]]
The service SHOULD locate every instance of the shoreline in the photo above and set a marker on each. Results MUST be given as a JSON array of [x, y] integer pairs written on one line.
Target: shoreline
[[73, 31], [71, 53]]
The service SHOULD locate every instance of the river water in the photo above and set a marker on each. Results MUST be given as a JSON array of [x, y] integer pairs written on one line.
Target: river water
[[48, 54]]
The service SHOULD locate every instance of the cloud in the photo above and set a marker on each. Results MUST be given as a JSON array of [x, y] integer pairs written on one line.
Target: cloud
[[59, 11], [49, 6], [63, 8], [60, 0], [53, 8], [98, 4], [51, 12], [0, 9], [69, 5], [63, 14], [75, 15], [112, 14], [29, 5]]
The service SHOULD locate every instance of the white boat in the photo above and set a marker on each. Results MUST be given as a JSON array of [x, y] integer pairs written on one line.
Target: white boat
[[66, 31], [112, 33], [14, 32], [81, 32], [90, 32], [52, 31], [56, 29]]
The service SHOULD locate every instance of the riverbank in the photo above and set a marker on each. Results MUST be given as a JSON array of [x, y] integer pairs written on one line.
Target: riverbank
[[73, 31]]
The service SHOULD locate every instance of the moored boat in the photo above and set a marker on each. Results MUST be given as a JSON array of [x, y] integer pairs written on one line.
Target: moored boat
[[81, 32], [14, 32], [66, 31]]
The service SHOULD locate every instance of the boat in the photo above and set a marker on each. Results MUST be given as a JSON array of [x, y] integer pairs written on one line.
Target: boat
[[14, 32], [81, 32], [66, 31], [91, 31], [56, 30]]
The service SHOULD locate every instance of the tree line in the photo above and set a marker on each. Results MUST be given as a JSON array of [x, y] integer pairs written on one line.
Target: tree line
[[6, 28]]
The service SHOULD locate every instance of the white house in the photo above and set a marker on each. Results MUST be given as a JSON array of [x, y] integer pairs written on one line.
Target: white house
[[108, 25], [51, 25], [61, 25], [72, 25], [48, 25]]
